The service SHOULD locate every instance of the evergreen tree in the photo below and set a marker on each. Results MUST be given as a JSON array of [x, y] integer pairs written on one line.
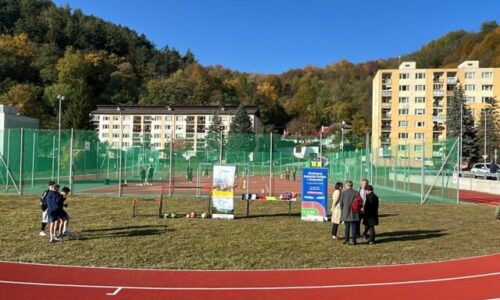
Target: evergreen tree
[[492, 119], [456, 107], [213, 135], [241, 136]]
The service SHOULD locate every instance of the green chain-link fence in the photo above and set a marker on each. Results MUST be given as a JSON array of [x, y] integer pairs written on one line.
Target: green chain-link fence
[[30, 158]]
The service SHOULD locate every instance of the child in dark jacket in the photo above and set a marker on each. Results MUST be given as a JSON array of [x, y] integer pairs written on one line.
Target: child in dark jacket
[[53, 201]]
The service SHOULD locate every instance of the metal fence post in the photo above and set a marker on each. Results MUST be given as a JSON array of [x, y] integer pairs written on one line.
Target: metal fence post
[[33, 161], [271, 164], [53, 155], [21, 152], [8, 161], [71, 162], [422, 187]]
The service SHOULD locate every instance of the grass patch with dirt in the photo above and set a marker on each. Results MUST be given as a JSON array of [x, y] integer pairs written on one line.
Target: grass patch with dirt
[[109, 236]]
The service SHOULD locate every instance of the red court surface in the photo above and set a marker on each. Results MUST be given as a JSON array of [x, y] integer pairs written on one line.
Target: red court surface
[[469, 278], [480, 198]]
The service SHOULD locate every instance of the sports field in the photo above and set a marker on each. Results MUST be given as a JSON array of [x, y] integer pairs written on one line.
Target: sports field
[[269, 239]]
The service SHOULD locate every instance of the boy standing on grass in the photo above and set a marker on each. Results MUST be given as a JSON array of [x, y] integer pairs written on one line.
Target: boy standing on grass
[[63, 215], [43, 206], [53, 201]]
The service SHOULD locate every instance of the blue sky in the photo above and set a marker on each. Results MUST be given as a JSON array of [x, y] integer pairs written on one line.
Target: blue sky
[[274, 36]]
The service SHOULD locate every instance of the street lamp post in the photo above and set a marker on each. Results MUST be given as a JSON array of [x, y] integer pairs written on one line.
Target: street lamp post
[[60, 98], [485, 155], [221, 128], [120, 157]]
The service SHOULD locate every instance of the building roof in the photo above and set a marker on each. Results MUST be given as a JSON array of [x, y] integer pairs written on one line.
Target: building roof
[[171, 109]]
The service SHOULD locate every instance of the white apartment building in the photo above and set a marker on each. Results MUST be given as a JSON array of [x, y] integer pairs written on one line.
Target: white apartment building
[[156, 125]]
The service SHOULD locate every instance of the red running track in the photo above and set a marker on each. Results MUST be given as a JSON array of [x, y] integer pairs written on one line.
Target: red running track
[[469, 278], [481, 198]]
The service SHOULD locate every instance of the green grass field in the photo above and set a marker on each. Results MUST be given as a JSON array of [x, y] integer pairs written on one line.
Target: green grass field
[[109, 236]]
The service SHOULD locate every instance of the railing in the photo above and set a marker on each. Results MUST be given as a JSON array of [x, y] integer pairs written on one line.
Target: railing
[[451, 80], [387, 93], [438, 93]]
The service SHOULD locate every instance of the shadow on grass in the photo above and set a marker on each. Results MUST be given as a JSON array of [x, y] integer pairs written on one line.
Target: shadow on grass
[[387, 215], [127, 231], [253, 216], [409, 235]]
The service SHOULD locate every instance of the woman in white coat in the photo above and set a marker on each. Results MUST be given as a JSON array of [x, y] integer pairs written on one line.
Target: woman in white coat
[[336, 211]]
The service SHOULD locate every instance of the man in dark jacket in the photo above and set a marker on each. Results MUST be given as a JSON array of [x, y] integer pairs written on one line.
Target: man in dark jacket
[[370, 217], [349, 217]]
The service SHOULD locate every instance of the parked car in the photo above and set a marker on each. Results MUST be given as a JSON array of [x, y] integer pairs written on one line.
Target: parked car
[[483, 170]]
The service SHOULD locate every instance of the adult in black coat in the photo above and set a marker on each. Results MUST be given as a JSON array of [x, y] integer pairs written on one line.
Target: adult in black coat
[[370, 218]]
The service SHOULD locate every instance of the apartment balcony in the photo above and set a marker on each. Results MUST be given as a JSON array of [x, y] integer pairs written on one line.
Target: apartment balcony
[[438, 128], [438, 104], [438, 80], [451, 80], [386, 128], [438, 118], [386, 81], [387, 93], [386, 116], [386, 104], [438, 93], [385, 140]]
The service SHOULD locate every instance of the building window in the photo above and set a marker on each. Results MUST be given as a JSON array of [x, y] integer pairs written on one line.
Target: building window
[[486, 99], [125, 144], [168, 118], [105, 118], [403, 111], [403, 135], [126, 135], [470, 99], [105, 135], [157, 127], [419, 75], [402, 147], [418, 148], [470, 75], [156, 135], [419, 111], [178, 119], [126, 127], [404, 76], [486, 75], [472, 112], [116, 126], [179, 127], [419, 135], [116, 135], [487, 87], [403, 99], [404, 87], [470, 87], [168, 127], [105, 126], [403, 123], [419, 99], [167, 135], [126, 118], [419, 124], [420, 87], [116, 118]]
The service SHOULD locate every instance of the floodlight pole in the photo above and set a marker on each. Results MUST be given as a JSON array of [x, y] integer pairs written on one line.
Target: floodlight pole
[[60, 98], [485, 128], [120, 162]]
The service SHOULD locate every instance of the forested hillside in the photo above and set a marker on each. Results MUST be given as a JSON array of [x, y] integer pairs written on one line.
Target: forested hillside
[[47, 50]]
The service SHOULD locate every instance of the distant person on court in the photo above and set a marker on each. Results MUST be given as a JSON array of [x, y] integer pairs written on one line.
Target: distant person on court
[[150, 174], [294, 173], [43, 206], [336, 212], [63, 215], [143, 176], [350, 218], [287, 173], [53, 200], [362, 193], [370, 217]]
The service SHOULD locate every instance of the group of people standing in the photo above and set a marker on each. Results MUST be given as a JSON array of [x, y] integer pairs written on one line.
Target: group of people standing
[[149, 179], [52, 203], [343, 210]]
